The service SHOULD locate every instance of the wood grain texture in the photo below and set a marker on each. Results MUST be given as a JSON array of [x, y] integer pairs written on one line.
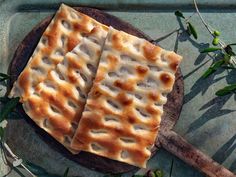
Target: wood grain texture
[[172, 109]]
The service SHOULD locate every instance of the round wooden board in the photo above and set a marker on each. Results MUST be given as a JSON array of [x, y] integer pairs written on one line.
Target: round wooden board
[[24, 51]]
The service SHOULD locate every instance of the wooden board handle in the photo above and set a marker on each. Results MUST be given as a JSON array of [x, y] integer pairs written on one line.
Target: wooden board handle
[[178, 146]]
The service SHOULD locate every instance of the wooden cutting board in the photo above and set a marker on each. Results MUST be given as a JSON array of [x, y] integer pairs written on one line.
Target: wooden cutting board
[[167, 138]]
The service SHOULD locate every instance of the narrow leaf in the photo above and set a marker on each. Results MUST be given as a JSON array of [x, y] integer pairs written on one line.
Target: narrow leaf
[[179, 14], [228, 67], [8, 107], [232, 44], [229, 50], [213, 68], [193, 30], [66, 172], [1, 132], [226, 90], [35, 169], [3, 77], [210, 49], [188, 31]]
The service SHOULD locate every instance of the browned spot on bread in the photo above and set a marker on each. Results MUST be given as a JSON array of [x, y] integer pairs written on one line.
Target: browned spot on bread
[[72, 78], [112, 61], [116, 41], [131, 119], [72, 42], [73, 62], [155, 96], [150, 51], [96, 93], [151, 110], [124, 85], [174, 61], [141, 70], [123, 99], [166, 79]]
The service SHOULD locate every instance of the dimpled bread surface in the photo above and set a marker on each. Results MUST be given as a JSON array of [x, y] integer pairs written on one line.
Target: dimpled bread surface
[[64, 32], [123, 111], [53, 88]]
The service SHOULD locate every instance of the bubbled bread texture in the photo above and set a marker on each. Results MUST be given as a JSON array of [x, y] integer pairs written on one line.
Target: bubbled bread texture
[[64, 32], [124, 107], [56, 102]]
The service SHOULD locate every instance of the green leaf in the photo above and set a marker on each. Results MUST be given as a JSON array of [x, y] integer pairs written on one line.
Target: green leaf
[[226, 90], [150, 173], [229, 50], [159, 173], [188, 31], [179, 14], [1, 132], [4, 77], [66, 172], [35, 169], [213, 68], [8, 107], [192, 30], [210, 49], [232, 44], [227, 58], [228, 67], [138, 176]]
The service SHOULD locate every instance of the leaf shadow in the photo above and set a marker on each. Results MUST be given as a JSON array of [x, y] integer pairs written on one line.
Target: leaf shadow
[[233, 166], [214, 110], [225, 151], [202, 85]]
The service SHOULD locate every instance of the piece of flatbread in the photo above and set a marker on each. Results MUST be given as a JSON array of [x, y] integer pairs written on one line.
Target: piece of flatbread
[[57, 102], [65, 31], [124, 107]]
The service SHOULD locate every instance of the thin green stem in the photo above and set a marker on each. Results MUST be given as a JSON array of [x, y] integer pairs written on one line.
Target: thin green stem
[[208, 27]]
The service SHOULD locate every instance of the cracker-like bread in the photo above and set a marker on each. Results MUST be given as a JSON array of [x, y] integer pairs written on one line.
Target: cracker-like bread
[[57, 102], [64, 32], [124, 107]]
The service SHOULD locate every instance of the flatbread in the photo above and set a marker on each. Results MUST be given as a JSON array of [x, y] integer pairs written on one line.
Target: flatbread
[[57, 102], [123, 111], [65, 31]]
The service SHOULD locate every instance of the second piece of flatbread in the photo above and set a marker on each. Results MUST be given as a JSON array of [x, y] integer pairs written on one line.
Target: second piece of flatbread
[[57, 102], [123, 111]]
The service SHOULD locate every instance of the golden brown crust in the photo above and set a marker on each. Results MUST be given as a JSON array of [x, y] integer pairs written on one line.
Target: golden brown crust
[[65, 31], [124, 107], [55, 98]]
